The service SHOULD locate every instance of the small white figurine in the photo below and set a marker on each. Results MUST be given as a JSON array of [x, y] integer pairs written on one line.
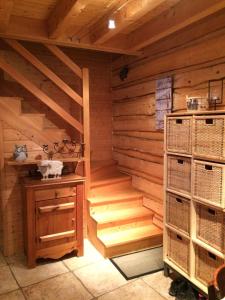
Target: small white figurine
[[20, 153], [50, 169]]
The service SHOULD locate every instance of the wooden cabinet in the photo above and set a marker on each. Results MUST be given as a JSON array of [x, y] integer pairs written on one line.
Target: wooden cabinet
[[53, 217]]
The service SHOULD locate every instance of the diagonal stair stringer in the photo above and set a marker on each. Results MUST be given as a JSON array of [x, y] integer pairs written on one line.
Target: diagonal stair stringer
[[33, 89], [25, 126]]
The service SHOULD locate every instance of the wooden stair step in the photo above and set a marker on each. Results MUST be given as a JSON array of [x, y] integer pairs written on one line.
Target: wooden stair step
[[110, 179], [59, 134], [36, 119], [31, 115], [12, 103], [115, 206], [128, 235], [49, 124], [118, 195], [99, 165], [122, 216]]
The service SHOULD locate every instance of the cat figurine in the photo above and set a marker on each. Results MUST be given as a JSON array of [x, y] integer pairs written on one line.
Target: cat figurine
[[20, 153]]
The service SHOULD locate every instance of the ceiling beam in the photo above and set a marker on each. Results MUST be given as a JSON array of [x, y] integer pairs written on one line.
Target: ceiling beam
[[185, 13], [60, 17], [5, 13], [34, 30], [124, 16]]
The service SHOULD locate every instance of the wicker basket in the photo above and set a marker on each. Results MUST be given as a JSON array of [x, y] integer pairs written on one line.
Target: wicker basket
[[209, 136], [179, 134], [209, 183], [178, 212], [210, 226], [205, 265], [178, 250], [179, 174]]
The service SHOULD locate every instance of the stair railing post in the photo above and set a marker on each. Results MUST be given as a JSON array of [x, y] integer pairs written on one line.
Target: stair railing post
[[86, 139]]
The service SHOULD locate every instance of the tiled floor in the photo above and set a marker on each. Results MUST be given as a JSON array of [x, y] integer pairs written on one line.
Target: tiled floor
[[77, 278]]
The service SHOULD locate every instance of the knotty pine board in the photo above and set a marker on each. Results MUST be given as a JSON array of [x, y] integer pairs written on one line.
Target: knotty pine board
[[147, 146], [191, 66], [100, 96], [100, 118], [11, 190], [186, 57]]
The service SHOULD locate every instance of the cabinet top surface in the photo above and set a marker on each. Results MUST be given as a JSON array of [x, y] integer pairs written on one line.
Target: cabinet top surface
[[191, 113], [68, 179]]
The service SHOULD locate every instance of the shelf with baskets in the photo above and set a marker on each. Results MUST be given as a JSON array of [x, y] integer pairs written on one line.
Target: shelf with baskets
[[194, 195]]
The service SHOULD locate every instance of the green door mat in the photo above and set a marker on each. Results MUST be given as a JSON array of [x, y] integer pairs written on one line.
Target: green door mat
[[140, 263]]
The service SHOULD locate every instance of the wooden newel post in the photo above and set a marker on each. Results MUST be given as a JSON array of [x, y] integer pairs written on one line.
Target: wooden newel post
[[86, 139]]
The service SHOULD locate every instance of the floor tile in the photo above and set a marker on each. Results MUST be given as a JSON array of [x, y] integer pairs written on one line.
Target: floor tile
[[160, 283], [26, 276], [62, 287], [2, 260], [100, 277], [91, 255], [16, 258], [136, 290], [15, 295], [8, 283]]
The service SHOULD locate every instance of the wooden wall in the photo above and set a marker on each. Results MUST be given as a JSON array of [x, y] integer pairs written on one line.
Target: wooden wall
[[192, 60], [100, 122], [11, 202], [100, 96]]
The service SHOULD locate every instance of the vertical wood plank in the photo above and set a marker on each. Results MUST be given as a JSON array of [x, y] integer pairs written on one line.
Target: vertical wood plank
[[79, 217], [86, 127], [30, 224], [65, 59], [2, 184]]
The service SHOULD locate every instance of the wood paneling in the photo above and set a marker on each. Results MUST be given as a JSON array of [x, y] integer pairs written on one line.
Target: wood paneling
[[60, 16], [130, 12], [5, 13], [137, 146], [100, 120], [84, 23], [182, 15], [37, 9]]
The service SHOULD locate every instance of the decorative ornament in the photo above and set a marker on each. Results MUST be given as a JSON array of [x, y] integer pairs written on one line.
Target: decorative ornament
[[124, 72]]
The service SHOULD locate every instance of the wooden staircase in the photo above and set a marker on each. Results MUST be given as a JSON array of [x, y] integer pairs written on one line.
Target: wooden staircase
[[33, 125], [117, 221]]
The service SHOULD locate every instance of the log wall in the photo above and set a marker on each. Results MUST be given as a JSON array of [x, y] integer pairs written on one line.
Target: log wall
[[100, 96], [137, 145], [100, 122], [11, 196]]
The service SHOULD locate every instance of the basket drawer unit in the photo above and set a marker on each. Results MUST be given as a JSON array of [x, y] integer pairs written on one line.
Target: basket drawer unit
[[209, 136], [179, 174], [178, 249], [209, 182], [178, 212], [210, 226], [205, 264], [179, 134]]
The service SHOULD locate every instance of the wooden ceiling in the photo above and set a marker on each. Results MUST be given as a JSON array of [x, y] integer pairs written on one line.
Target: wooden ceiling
[[84, 23]]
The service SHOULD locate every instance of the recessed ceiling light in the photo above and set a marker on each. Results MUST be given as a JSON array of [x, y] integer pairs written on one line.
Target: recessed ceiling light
[[111, 24]]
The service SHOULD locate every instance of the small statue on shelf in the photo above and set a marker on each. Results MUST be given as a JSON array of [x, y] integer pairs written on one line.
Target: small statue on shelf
[[50, 169], [20, 153]]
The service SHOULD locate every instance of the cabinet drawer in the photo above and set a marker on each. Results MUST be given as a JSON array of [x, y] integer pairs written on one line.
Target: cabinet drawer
[[55, 193], [55, 221]]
